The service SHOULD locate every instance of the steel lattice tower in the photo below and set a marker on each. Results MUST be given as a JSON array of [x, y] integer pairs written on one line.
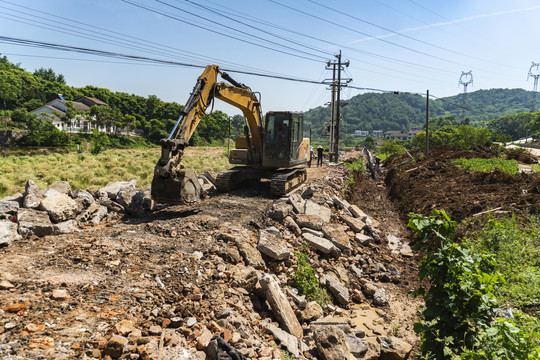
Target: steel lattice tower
[[465, 79], [535, 76]]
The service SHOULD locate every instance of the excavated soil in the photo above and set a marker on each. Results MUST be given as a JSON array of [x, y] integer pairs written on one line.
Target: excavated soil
[[433, 182]]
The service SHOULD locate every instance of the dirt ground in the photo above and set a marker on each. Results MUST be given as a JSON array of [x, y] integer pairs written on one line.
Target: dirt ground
[[71, 291], [432, 182]]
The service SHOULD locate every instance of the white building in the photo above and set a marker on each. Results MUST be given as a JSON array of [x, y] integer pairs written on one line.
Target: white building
[[55, 109]]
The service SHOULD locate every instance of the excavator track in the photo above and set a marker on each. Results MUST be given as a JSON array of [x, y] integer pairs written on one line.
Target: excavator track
[[285, 181], [227, 180]]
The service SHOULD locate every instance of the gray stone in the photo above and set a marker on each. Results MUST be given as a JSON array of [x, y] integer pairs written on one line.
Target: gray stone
[[393, 348], [111, 205], [65, 227], [357, 346], [323, 245], [34, 222], [99, 215], [8, 232], [83, 197], [312, 232], [312, 312], [250, 253], [229, 254], [300, 301], [363, 239], [8, 209], [357, 213], [271, 244], [279, 211], [370, 289], [340, 292], [355, 224], [355, 270], [32, 195], [309, 221], [245, 277], [60, 207], [297, 203], [280, 305], [331, 343], [337, 235], [309, 191], [292, 225], [111, 190], [286, 340], [340, 203], [18, 197], [312, 208], [380, 297], [61, 187]]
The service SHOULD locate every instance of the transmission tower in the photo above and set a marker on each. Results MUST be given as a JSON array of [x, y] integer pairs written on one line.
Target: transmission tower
[[465, 79], [535, 75]]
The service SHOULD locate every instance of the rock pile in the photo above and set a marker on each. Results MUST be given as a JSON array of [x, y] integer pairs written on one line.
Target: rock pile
[[58, 210]]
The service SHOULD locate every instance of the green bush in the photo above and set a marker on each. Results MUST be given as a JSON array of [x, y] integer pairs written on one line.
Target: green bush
[[306, 282]]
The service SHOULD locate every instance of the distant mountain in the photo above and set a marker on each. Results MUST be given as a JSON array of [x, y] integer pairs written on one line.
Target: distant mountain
[[405, 111]]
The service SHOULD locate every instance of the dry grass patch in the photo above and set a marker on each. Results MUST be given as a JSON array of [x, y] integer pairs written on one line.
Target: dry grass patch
[[87, 171]]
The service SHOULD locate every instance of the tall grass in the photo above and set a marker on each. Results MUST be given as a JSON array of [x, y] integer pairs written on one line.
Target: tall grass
[[87, 171]]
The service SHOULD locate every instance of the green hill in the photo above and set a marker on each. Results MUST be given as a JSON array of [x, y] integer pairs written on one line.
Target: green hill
[[405, 111]]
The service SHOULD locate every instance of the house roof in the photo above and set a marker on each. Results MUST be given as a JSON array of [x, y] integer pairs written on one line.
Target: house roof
[[92, 100], [79, 106], [395, 132]]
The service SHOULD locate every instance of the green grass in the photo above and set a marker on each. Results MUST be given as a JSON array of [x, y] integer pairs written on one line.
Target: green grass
[[516, 246], [536, 167], [84, 170], [486, 165]]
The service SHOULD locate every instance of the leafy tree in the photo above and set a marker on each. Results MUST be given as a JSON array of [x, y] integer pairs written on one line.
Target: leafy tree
[[43, 133], [370, 143], [391, 147], [19, 115], [99, 141], [237, 123], [50, 75], [534, 126], [513, 125]]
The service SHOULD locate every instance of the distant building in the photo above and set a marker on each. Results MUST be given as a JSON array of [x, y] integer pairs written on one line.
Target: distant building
[[377, 133], [54, 110], [400, 135], [361, 132]]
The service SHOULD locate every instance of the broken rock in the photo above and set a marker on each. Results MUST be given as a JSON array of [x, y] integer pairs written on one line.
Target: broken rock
[[331, 343], [34, 222], [340, 292], [286, 340], [60, 207], [393, 348], [280, 210], [8, 209], [111, 190], [355, 224], [323, 245], [312, 208], [250, 254], [309, 221], [8, 232], [337, 235], [32, 195], [280, 305], [271, 244]]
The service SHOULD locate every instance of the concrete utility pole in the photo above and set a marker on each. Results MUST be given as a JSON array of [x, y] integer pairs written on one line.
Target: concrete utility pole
[[465, 79], [535, 75], [335, 114]]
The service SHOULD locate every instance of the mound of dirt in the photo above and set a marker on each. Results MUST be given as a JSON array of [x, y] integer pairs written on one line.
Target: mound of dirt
[[433, 182]]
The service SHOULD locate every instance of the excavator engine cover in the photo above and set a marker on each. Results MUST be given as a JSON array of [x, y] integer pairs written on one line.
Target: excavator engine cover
[[182, 187]]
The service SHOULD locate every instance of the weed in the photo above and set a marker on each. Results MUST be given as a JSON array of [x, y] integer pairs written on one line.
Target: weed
[[486, 165], [307, 283]]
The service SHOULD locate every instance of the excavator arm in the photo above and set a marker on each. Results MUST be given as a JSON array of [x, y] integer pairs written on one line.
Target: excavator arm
[[172, 183]]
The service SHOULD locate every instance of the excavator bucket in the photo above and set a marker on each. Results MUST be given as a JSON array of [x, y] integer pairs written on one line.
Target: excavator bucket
[[179, 187]]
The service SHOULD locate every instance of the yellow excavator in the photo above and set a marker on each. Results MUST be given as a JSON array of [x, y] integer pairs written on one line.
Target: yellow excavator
[[272, 147]]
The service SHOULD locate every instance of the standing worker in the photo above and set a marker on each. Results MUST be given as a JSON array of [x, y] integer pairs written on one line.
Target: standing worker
[[319, 155]]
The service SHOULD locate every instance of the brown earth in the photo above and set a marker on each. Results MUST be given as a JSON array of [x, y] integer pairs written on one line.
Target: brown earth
[[432, 182], [157, 272]]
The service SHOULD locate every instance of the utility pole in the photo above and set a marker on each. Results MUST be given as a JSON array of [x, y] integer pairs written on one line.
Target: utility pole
[[535, 75], [427, 122], [335, 114], [465, 79]]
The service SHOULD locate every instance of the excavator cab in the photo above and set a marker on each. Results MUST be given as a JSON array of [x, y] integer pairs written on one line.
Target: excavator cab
[[284, 145]]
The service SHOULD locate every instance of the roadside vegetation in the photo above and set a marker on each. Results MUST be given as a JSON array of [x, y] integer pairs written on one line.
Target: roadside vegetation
[[486, 165], [84, 170], [477, 290]]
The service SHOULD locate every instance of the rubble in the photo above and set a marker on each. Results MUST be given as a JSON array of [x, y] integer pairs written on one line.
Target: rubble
[[211, 282]]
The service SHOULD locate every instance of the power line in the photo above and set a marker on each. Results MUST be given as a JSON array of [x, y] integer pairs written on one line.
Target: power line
[[222, 34]]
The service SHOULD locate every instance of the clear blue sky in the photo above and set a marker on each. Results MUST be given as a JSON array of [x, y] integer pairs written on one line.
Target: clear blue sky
[[401, 45]]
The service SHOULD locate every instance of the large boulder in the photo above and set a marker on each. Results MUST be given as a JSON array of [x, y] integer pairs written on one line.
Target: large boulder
[[62, 187], [331, 343], [34, 222], [310, 221], [59, 206], [340, 292], [337, 235], [312, 208]]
